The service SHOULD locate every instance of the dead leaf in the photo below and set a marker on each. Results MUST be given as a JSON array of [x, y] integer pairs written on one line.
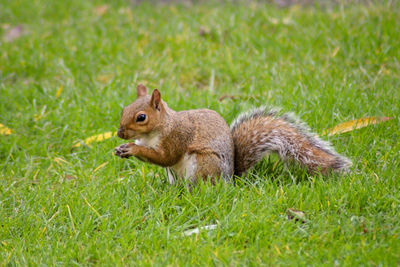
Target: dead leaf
[[96, 138], [296, 215], [13, 33], [4, 130], [70, 177], [349, 126], [100, 10]]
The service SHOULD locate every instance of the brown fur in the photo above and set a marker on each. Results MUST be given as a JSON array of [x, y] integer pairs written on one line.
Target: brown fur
[[169, 139], [192, 132], [264, 131]]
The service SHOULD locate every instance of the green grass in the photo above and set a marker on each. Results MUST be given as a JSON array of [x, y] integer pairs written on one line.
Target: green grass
[[327, 64]]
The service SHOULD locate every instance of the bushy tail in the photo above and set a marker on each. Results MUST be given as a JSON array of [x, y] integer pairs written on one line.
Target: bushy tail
[[264, 131]]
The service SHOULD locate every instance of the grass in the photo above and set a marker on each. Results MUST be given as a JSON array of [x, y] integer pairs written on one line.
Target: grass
[[76, 65]]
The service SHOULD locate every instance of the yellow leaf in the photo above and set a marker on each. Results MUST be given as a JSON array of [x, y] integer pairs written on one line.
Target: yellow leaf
[[96, 138], [4, 130], [60, 88], [277, 250], [349, 126]]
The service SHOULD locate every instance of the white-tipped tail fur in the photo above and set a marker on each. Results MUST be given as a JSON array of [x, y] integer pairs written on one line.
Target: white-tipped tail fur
[[263, 131]]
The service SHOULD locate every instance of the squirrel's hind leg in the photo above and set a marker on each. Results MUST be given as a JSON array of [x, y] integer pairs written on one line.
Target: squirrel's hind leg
[[204, 166], [210, 167]]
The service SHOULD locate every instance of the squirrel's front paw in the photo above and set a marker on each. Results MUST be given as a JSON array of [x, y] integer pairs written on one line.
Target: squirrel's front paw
[[124, 150]]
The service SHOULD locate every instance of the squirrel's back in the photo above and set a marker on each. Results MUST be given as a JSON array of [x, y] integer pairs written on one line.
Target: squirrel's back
[[210, 134]]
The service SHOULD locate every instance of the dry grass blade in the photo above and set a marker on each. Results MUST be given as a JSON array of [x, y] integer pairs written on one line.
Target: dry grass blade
[[100, 166], [349, 126], [335, 51], [96, 138]]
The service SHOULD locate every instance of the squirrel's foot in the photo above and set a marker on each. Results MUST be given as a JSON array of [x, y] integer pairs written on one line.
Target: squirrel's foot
[[124, 150]]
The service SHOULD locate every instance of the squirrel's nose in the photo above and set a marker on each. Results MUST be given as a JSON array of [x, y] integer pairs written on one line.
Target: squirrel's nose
[[120, 132]]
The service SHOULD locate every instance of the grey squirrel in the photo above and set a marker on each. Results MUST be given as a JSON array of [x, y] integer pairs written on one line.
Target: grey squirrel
[[198, 144]]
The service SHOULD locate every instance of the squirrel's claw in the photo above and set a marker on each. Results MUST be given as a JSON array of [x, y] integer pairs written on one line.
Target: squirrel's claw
[[123, 151]]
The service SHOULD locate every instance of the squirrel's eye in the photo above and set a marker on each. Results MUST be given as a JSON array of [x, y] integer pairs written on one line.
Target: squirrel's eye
[[141, 117]]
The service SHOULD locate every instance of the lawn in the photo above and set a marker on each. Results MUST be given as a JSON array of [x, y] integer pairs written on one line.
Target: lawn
[[68, 67]]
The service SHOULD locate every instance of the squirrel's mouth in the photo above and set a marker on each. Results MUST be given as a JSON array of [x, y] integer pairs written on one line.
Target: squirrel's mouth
[[126, 134]]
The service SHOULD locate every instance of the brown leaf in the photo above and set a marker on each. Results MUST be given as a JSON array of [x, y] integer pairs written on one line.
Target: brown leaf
[[13, 33], [296, 215], [100, 10], [349, 126], [70, 177]]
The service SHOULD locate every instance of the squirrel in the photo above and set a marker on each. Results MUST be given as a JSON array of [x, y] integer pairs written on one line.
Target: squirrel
[[198, 144]]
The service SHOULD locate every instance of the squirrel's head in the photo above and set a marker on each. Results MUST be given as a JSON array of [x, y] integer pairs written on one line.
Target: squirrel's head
[[142, 116]]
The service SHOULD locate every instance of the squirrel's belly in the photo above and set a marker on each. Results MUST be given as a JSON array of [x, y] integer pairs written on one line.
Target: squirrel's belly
[[185, 168]]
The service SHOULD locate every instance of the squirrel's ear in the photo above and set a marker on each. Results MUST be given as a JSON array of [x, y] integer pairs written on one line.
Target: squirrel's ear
[[155, 101], [141, 90]]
